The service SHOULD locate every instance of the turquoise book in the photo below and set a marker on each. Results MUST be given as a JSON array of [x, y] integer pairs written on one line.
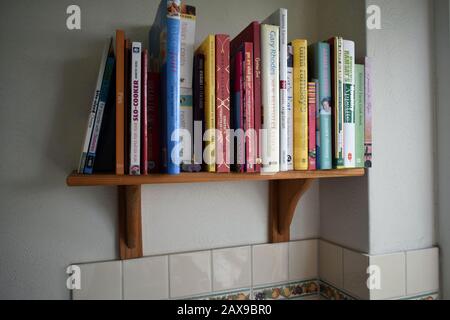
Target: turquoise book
[[165, 59], [320, 69], [360, 114]]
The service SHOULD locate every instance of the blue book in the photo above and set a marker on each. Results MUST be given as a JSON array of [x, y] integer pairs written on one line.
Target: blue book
[[102, 104], [165, 47], [321, 70]]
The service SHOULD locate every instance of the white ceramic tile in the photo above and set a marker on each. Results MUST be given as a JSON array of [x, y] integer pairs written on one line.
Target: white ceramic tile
[[355, 274], [331, 263], [146, 279], [422, 271], [100, 281], [232, 268], [303, 260], [391, 270], [270, 263], [190, 274]]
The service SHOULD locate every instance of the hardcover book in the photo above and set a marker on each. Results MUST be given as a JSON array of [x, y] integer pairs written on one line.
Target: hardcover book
[[165, 47], [120, 102], [237, 62], [300, 105], [127, 104], [249, 112], [153, 121], [199, 107], [270, 62], [368, 113], [94, 107], [359, 112], [349, 105], [207, 49], [253, 34], [316, 82], [337, 70], [280, 18], [187, 126], [290, 109], [188, 23], [321, 70], [312, 126], [135, 112], [144, 113], [223, 103]]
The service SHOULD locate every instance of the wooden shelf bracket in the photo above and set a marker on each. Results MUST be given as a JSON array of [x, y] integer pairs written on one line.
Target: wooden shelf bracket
[[130, 222], [284, 196]]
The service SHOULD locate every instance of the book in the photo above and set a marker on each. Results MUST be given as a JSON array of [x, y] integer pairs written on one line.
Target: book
[[312, 126], [199, 107], [186, 126], [249, 112], [368, 113], [135, 112], [337, 73], [120, 102], [153, 122], [270, 92], [280, 18], [252, 34], [320, 64], [165, 47], [349, 105], [359, 114], [207, 49], [188, 24], [290, 108], [144, 113], [94, 106], [127, 104], [223, 114], [237, 62], [317, 125], [98, 123], [300, 48]]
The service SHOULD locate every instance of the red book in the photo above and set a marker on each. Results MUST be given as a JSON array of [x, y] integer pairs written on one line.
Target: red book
[[223, 103], [249, 109], [144, 115], [238, 111], [312, 125], [253, 34], [153, 129]]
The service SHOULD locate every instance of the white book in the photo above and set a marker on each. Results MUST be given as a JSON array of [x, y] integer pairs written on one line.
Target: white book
[[349, 105], [280, 18], [290, 109], [135, 116], [187, 125], [270, 62], [94, 106]]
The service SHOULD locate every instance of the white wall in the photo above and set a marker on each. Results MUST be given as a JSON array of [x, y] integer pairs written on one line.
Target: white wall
[[442, 41], [47, 75]]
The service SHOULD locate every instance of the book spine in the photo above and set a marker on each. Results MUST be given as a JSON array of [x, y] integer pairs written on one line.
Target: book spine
[[186, 124], [290, 109], [120, 102], [257, 84], [317, 124], [222, 47], [312, 126], [199, 107], [144, 113], [93, 112], [135, 112], [300, 105], [359, 112], [249, 112], [270, 63], [238, 113], [153, 121], [172, 87], [127, 105], [338, 100], [368, 113], [349, 105], [188, 23], [104, 95], [283, 90]]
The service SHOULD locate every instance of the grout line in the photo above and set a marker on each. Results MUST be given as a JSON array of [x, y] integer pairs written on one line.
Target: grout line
[[122, 280], [168, 278], [251, 272], [211, 270]]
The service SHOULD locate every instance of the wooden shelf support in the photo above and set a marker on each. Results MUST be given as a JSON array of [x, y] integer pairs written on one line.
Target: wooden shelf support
[[130, 222], [284, 196]]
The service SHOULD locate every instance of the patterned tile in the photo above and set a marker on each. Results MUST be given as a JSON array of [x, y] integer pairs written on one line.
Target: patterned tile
[[331, 293], [287, 291]]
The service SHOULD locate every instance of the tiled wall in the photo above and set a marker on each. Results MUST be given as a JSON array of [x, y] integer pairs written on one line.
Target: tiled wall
[[295, 270]]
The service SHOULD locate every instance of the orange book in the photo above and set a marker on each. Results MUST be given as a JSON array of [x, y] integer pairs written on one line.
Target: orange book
[[120, 102]]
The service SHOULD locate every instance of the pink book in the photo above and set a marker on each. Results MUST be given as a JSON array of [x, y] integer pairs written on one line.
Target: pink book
[[312, 126], [249, 109]]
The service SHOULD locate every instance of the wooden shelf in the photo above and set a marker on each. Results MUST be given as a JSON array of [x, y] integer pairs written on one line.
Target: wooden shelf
[[285, 191], [77, 180]]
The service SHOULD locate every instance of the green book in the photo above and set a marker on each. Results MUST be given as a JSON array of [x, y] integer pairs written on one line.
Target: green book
[[359, 112]]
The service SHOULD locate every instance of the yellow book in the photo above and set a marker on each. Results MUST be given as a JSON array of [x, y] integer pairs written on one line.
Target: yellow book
[[299, 48], [207, 49]]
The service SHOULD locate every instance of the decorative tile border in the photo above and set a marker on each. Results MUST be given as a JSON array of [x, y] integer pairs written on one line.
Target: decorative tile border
[[331, 293], [237, 295], [287, 291], [428, 297]]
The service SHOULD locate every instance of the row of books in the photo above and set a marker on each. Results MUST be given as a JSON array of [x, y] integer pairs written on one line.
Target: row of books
[[255, 103]]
